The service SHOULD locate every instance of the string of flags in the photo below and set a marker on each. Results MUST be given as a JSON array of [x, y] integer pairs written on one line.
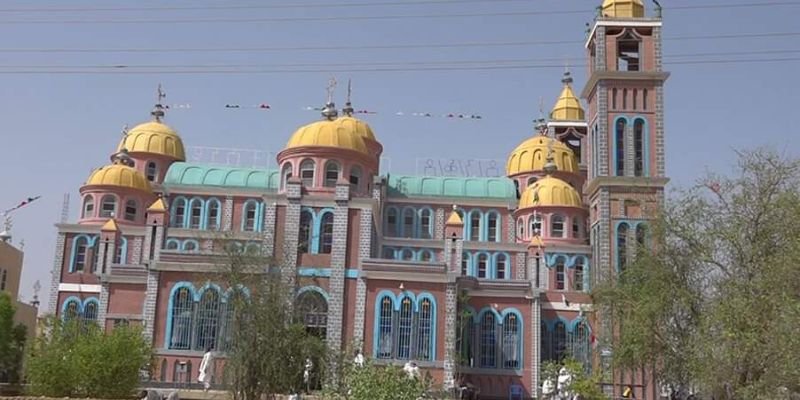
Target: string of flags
[[23, 203], [268, 107], [262, 106]]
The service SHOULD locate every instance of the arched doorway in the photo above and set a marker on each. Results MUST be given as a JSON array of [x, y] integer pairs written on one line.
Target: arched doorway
[[312, 308]]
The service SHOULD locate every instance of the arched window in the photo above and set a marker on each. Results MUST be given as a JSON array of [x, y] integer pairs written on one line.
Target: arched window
[[313, 310], [512, 342], [195, 213], [614, 98], [151, 171], [579, 343], [579, 276], [385, 334], [488, 342], [560, 274], [425, 223], [121, 254], [90, 311], [355, 178], [212, 214], [619, 144], [622, 244], [88, 207], [493, 228], [180, 333], [466, 335], [425, 255], [405, 323], [547, 350], [576, 227], [304, 239], [189, 246], [130, 210], [425, 331], [207, 319], [536, 225], [388, 253], [638, 147], [635, 98], [501, 266], [286, 173], [250, 216], [71, 309], [326, 242], [624, 99], [108, 206], [475, 225], [559, 341], [641, 235], [520, 228], [644, 99], [406, 255], [95, 249], [465, 264], [408, 222], [628, 53], [307, 173], [81, 248], [331, 174], [3, 280], [178, 214], [557, 226], [391, 222], [483, 265], [172, 244]]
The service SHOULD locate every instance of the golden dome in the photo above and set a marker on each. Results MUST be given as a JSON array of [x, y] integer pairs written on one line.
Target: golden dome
[[531, 155], [119, 175], [568, 107], [550, 191], [623, 8], [156, 138], [343, 133]]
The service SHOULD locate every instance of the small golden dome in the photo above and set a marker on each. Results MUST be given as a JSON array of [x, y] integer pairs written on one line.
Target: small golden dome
[[531, 155], [568, 107], [550, 191], [156, 138], [343, 133], [623, 8], [119, 175]]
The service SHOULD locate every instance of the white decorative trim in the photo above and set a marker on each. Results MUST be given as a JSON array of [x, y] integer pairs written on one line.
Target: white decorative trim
[[560, 124], [561, 306], [625, 23], [78, 287]]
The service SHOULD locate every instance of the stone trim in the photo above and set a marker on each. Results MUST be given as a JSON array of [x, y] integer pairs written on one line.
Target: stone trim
[[361, 311], [270, 217], [58, 262], [227, 214], [536, 342], [338, 259], [136, 255], [103, 311], [438, 233], [520, 266], [451, 312], [149, 306]]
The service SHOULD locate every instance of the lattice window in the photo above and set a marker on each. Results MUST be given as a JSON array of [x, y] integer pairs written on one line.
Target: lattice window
[[385, 339], [512, 342], [488, 344], [207, 324], [424, 331], [212, 214], [181, 324], [405, 325], [559, 340], [326, 243], [90, 312]]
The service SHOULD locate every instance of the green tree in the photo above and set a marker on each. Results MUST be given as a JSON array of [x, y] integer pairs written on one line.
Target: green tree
[[713, 301], [373, 382], [12, 341], [582, 383], [78, 359]]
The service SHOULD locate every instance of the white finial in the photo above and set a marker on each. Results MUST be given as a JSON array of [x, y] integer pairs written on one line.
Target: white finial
[[329, 111], [330, 89], [348, 106]]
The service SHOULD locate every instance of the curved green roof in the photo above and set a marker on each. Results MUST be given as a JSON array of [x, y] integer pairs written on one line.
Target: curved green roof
[[450, 187], [188, 174]]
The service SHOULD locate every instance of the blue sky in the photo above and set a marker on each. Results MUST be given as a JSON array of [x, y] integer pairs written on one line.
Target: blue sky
[[57, 127]]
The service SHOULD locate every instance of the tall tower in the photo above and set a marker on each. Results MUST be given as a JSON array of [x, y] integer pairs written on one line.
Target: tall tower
[[626, 179]]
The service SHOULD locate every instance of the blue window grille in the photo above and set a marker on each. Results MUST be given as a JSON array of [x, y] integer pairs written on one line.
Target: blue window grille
[[488, 340], [424, 331]]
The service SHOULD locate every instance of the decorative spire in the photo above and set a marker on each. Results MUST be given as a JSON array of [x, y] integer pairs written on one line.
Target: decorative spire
[[5, 235], [122, 157], [550, 166], [348, 106], [540, 124], [125, 130], [158, 109], [567, 79], [36, 288], [329, 111]]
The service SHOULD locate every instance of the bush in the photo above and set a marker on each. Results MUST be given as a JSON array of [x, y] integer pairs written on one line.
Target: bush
[[372, 382], [78, 359]]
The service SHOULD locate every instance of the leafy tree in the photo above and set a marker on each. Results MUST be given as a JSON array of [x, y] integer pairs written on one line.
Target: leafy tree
[[12, 341], [714, 303], [372, 382], [583, 384], [79, 359]]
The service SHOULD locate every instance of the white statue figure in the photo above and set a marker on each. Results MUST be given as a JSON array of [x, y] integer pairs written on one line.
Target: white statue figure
[[359, 360], [206, 368], [564, 381], [307, 371], [411, 369], [548, 388]]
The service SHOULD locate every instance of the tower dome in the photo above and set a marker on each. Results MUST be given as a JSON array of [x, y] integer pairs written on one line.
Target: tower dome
[[623, 8], [154, 137], [531, 155], [568, 106], [119, 175], [550, 192], [346, 133]]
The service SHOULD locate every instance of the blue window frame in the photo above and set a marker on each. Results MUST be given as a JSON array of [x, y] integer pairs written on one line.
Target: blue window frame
[[501, 266], [326, 233], [473, 224], [304, 240], [488, 344], [385, 320], [466, 264], [622, 246], [251, 216], [512, 341], [425, 224], [213, 214], [392, 226], [179, 324], [482, 265], [405, 326], [121, 255], [493, 227], [178, 212], [405, 323], [408, 224], [172, 244], [79, 257], [620, 127], [195, 217]]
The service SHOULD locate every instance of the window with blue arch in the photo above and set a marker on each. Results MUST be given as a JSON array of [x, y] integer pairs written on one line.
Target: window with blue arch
[[498, 338], [405, 326], [121, 256], [85, 310], [486, 265], [198, 318], [82, 245], [561, 338], [252, 216], [196, 213]]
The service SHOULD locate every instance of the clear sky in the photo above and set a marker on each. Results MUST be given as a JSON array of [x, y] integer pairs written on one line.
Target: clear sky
[[57, 127]]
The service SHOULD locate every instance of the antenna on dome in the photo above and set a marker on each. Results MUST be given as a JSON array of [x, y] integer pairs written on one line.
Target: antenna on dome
[[540, 124], [329, 111], [158, 110], [348, 106]]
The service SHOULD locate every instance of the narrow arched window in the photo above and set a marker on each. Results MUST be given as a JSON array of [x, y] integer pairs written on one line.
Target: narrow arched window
[[475, 225], [81, 249], [130, 210], [425, 331], [151, 171], [501, 266], [622, 244], [304, 239], [638, 147], [520, 228], [619, 144], [3, 280], [326, 242], [207, 319], [181, 319], [557, 226], [108, 206], [465, 264], [385, 339], [406, 255], [212, 214], [576, 227], [624, 99], [391, 222], [493, 228], [580, 343], [178, 218], [286, 173], [88, 207], [546, 343], [331, 174], [425, 223], [408, 222], [250, 216], [644, 99], [121, 254], [560, 274], [466, 335], [560, 341], [90, 311], [614, 98], [71, 310], [355, 178], [190, 246], [195, 213], [307, 173], [512, 342], [483, 265], [425, 256], [172, 244], [579, 276], [536, 225], [488, 342], [405, 324], [635, 98]]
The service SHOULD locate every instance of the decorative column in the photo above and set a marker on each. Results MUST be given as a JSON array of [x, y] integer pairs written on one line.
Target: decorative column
[[453, 231], [364, 252], [227, 214], [156, 220], [291, 232], [58, 263], [270, 211], [536, 341], [338, 259]]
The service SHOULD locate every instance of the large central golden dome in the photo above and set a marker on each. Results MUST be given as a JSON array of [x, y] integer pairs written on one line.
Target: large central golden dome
[[531, 155], [346, 133], [550, 191], [154, 137]]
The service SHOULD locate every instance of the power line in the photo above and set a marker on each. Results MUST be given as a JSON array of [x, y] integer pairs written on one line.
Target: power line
[[398, 46]]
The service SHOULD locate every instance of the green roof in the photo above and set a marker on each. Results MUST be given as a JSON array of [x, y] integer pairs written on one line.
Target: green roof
[[450, 187], [188, 174]]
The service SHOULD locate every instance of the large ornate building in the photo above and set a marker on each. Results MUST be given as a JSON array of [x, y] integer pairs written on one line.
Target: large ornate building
[[476, 279]]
